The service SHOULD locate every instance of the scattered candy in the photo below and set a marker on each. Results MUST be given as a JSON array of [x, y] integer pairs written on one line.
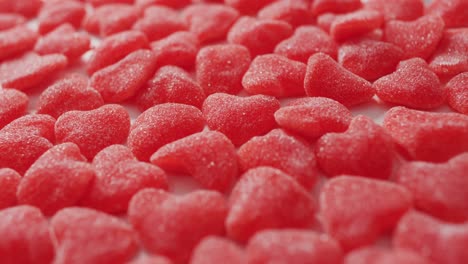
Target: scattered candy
[[159, 22], [335, 6], [451, 56], [27, 8], [16, 40], [179, 49], [9, 180], [247, 6], [377, 255], [293, 12], [355, 24], [8, 21], [13, 104], [452, 11], [397, 9], [457, 94], [217, 250], [143, 4], [55, 13], [110, 19]]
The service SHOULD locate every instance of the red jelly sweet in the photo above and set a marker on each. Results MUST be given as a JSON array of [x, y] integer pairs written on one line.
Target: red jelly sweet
[[16, 40], [375, 255], [32, 125], [64, 40], [450, 57], [178, 49], [457, 94], [13, 104], [293, 12], [9, 180], [143, 4], [355, 24], [56, 13], [335, 6], [110, 19], [214, 249], [397, 9], [8, 21], [452, 11], [247, 6], [159, 22], [26, 8]]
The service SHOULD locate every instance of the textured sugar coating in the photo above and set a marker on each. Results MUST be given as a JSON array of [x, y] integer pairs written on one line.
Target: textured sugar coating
[[16, 40], [110, 19], [427, 136], [438, 241], [163, 124], [281, 203], [32, 125], [178, 49], [418, 38], [325, 20], [293, 246], [170, 84], [27, 8], [56, 13], [143, 4], [13, 104], [335, 6], [8, 21], [210, 22], [379, 255], [87, 236], [275, 75], [451, 56], [9, 180], [150, 260], [397, 9], [25, 236], [326, 78], [247, 6], [356, 210], [240, 118], [64, 40], [260, 36], [448, 179], [122, 80], [369, 58], [119, 175], [70, 93], [159, 22], [355, 24], [369, 150], [26, 72], [306, 41], [413, 84], [283, 151], [94, 130], [182, 221], [114, 48], [105, 2], [214, 249], [452, 11], [457, 94], [293, 12], [313, 117], [219, 68], [209, 157], [57, 179]]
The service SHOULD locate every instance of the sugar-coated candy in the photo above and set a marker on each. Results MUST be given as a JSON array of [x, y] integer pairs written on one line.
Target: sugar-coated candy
[[13, 104], [372, 149], [151, 260], [283, 151], [452, 11], [9, 180], [451, 56], [214, 249], [105, 2], [93, 130], [418, 38], [57, 179], [413, 84], [143, 4], [370, 59], [335, 6], [440, 242], [162, 124], [119, 175], [16, 40], [209, 157], [114, 48], [159, 22], [326, 78], [178, 49], [181, 221], [355, 24], [64, 40], [110, 19], [25, 239], [26, 72], [427, 136], [8, 21], [356, 210], [170, 84], [84, 235], [325, 20], [234, 116], [397, 9], [122, 80], [210, 22], [313, 117], [306, 41], [280, 203], [247, 6], [260, 36], [294, 12], [275, 75], [219, 68], [380, 255], [33, 125], [56, 13], [70, 93], [293, 246], [448, 180], [27, 8], [457, 94]]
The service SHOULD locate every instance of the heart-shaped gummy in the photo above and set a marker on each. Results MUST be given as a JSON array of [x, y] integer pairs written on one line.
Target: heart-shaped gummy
[[13, 104], [374, 255], [9, 181], [215, 249]]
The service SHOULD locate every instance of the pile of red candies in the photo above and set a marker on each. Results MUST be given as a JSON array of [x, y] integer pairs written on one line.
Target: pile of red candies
[[250, 98]]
